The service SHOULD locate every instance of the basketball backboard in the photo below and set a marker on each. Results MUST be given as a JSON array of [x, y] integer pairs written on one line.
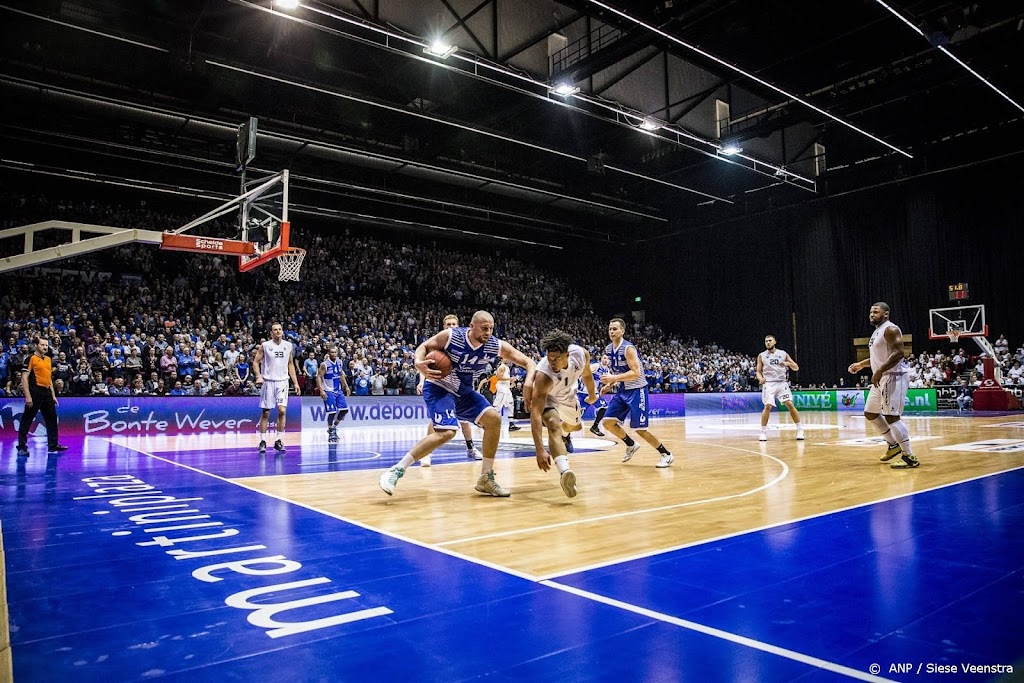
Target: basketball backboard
[[962, 321]]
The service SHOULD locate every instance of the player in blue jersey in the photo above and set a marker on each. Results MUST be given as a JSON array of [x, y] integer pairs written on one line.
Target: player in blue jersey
[[451, 320], [330, 379], [632, 400], [454, 398]]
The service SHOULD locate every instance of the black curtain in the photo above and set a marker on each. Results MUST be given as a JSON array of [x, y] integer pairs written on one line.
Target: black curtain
[[826, 261]]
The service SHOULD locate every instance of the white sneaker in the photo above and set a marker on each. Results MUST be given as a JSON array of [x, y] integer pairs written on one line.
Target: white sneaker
[[389, 479], [763, 437], [474, 453], [630, 452], [666, 460], [425, 461], [568, 482], [486, 484], [800, 435]]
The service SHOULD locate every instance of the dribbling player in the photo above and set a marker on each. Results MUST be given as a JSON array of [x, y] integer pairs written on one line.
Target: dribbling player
[[454, 398], [773, 366], [451, 320], [555, 406], [889, 384], [626, 370], [274, 367]]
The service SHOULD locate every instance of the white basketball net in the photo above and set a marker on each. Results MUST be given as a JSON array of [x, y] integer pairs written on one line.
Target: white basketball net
[[291, 262]]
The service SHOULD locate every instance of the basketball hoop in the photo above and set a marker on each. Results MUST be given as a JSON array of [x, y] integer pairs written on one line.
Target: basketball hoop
[[954, 335], [290, 262]]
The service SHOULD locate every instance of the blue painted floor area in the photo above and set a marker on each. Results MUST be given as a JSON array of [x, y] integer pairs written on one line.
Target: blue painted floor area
[[121, 567], [934, 578]]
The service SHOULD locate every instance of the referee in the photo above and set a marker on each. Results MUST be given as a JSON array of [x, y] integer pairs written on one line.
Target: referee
[[37, 384]]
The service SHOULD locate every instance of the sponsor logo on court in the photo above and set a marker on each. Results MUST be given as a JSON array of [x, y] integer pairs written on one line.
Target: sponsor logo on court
[[989, 446]]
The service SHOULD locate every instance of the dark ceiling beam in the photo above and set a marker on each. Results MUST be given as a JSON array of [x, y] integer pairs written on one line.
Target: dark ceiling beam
[[626, 73], [461, 21], [694, 101], [543, 35]]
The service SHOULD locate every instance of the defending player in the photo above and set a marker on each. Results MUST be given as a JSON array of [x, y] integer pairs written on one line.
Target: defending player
[[274, 366], [773, 367], [632, 399], [454, 397], [451, 320], [889, 384], [555, 405], [330, 379]]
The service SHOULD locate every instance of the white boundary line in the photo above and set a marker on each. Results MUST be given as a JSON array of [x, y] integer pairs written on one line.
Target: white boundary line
[[382, 532], [723, 635], [618, 515], [640, 556]]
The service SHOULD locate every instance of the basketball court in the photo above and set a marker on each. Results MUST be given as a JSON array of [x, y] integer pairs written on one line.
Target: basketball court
[[781, 560]]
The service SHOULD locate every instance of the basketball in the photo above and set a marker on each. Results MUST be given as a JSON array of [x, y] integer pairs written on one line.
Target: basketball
[[441, 362]]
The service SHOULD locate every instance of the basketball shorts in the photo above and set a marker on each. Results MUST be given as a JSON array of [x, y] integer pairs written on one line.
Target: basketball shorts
[[335, 402], [569, 412], [503, 399], [632, 403], [773, 393], [889, 396], [446, 409], [274, 393]]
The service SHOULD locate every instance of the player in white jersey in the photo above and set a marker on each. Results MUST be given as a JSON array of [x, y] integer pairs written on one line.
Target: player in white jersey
[[453, 398], [273, 366], [503, 394], [451, 320], [890, 380], [773, 367], [555, 404]]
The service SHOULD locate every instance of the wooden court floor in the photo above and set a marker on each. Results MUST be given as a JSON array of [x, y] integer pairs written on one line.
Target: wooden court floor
[[723, 482]]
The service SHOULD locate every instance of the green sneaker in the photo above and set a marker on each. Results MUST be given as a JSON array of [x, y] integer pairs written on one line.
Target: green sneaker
[[486, 484], [389, 480], [891, 452], [906, 462]]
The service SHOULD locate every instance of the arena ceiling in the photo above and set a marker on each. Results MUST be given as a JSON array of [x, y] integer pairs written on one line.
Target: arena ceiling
[[814, 98]]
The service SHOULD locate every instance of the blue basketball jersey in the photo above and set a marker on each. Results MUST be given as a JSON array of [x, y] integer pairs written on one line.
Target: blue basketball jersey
[[619, 365], [598, 371], [468, 361], [332, 374]]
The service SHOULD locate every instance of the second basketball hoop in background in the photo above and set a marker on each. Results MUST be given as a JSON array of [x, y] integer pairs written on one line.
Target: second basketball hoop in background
[[290, 262]]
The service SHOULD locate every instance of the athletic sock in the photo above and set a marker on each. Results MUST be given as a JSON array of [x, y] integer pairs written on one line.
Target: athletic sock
[[662, 449], [486, 465], [628, 441], [884, 428], [469, 444], [562, 463], [407, 461], [600, 416], [902, 436]]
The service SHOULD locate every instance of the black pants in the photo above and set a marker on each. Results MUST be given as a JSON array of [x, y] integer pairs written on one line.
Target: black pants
[[42, 402]]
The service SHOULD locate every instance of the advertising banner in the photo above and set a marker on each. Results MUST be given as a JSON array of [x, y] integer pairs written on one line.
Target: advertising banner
[[662, 405], [366, 411], [851, 400], [820, 400], [724, 403], [145, 416]]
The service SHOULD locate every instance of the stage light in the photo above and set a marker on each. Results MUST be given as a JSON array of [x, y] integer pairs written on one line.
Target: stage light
[[650, 124], [440, 49], [731, 150], [286, 4], [564, 89]]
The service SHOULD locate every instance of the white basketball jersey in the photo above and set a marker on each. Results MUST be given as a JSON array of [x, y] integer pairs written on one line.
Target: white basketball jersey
[[773, 366], [505, 381], [880, 351], [565, 381], [276, 358]]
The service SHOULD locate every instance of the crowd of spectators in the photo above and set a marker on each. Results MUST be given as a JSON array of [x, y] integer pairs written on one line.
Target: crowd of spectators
[[138, 321]]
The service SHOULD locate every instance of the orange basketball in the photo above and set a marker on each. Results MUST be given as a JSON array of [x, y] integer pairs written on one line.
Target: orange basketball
[[442, 362]]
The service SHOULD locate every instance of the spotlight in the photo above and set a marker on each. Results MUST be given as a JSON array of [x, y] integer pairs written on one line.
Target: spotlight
[[564, 89], [650, 124], [730, 150], [286, 4], [440, 49]]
